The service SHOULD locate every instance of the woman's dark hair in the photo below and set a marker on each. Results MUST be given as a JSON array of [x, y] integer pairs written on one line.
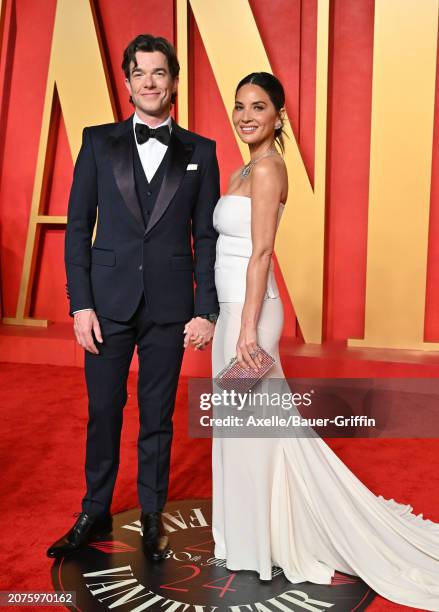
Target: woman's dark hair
[[274, 88], [149, 43]]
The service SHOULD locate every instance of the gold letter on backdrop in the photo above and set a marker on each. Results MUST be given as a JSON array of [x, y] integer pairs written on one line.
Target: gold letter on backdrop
[[403, 91], [234, 47], [77, 76]]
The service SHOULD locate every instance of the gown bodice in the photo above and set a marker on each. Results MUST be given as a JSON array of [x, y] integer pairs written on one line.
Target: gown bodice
[[232, 221]]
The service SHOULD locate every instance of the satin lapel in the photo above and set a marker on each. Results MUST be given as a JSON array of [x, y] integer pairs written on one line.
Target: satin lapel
[[120, 151], [179, 156]]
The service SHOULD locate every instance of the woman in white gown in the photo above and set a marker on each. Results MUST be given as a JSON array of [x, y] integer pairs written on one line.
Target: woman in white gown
[[291, 502]]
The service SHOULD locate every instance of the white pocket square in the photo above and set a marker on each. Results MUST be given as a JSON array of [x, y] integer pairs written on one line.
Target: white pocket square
[[192, 167]]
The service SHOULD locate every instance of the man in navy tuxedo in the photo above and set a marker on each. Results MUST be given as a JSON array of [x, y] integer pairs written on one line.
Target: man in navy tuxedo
[[155, 186]]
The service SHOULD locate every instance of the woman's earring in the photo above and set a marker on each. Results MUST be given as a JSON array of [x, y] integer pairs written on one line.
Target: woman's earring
[[277, 125]]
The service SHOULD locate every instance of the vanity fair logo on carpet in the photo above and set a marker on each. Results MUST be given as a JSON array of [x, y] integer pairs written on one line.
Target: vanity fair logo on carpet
[[113, 574]]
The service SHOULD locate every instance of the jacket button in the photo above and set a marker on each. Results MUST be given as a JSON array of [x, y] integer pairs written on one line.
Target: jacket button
[[149, 193], [140, 267]]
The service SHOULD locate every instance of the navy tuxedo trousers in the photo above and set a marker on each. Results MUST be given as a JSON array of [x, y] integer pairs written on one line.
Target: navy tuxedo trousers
[[160, 350]]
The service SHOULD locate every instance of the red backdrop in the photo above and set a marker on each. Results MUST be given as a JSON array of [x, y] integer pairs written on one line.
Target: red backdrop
[[288, 30]]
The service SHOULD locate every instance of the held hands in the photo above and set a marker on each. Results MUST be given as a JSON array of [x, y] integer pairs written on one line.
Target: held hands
[[198, 332], [247, 349], [84, 322]]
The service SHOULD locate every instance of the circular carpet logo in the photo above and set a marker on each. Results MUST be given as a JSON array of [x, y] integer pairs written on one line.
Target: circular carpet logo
[[112, 573]]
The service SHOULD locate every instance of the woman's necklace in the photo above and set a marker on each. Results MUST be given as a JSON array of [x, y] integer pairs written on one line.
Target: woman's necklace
[[248, 167]]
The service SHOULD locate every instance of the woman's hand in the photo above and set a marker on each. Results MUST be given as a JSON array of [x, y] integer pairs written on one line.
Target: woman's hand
[[247, 349]]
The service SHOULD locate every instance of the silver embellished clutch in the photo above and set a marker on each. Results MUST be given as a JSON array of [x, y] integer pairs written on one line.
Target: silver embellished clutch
[[236, 378]]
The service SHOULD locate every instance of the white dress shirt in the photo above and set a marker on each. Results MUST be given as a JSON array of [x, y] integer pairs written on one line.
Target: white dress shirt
[[151, 155], [152, 151]]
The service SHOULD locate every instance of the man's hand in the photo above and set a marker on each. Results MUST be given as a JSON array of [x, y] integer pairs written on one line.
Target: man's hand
[[198, 332], [84, 322]]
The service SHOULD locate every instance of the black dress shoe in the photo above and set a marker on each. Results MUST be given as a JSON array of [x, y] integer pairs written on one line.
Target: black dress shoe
[[154, 539], [83, 531]]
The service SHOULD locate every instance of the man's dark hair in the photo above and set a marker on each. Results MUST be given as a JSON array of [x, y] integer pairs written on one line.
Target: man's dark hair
[[149, 43]]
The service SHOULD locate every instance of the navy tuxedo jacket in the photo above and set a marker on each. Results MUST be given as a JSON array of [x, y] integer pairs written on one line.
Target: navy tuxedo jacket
[[127, 258]]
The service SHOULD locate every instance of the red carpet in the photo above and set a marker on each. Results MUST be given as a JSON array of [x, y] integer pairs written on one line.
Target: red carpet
[[44, 415]]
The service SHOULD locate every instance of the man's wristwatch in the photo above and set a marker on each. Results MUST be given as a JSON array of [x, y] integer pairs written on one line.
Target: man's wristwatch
[[213, 317]]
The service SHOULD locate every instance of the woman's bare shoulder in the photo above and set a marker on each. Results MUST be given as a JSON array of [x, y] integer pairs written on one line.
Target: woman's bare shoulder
[[273, 169], [270, 165]]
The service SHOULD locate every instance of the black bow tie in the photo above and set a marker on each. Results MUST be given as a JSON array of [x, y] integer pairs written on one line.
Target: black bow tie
[[144, 133]]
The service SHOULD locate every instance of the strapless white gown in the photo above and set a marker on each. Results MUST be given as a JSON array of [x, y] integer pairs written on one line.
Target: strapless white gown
[[291, 502]]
